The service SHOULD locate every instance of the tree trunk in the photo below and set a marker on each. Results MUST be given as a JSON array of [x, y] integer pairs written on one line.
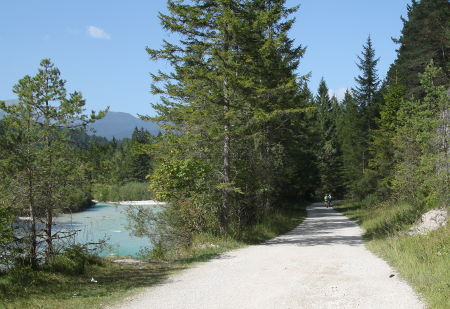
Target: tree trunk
[[33, 234], [49, 191], [49, 239], [226, 168]]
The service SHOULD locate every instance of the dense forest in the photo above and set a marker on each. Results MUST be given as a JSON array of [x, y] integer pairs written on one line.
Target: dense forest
[[243, 135]]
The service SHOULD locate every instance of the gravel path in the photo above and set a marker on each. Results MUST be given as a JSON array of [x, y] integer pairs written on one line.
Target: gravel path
[[320, 264]]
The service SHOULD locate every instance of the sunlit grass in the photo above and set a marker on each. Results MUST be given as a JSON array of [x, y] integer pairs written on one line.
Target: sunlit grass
[[54, 290], [424, 261], [44, 289]]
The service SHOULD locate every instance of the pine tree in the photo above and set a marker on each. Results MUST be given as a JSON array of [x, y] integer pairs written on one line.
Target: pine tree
[[381, 145], [365, 95], [231, 98], [329, 152], [45, 169], [367, 83], [141, 141], [352, 143], [424, 37], [421, 144]]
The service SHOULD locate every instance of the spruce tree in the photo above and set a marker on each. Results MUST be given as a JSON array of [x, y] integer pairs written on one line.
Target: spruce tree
[[365, 95], [381, 145], [421, 145], [367, 83], [329, 152], [424, 37], [231, 98]]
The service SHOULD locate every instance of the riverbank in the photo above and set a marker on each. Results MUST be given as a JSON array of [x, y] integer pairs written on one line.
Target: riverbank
[[136, 203], [106, 282]]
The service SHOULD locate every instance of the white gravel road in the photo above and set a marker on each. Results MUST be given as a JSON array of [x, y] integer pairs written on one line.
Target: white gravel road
[[321, 264]]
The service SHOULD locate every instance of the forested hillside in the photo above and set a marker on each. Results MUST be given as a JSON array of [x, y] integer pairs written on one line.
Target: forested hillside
[[243, 138]]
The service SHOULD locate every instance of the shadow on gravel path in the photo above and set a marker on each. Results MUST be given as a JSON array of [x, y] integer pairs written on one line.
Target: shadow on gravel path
[[324, 226]]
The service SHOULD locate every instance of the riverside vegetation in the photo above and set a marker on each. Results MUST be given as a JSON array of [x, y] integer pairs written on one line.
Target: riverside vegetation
[[66, 282], [244, 139]]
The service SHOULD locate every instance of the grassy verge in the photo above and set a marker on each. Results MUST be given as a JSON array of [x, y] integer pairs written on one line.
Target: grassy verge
[[133, 191], [44, 289], [424, 261]]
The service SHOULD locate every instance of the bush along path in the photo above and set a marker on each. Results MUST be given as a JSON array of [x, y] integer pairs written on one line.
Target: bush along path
[[322, 263]]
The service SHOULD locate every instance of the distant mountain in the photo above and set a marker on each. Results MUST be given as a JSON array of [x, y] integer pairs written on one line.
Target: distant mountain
[[121, 125], [114, 124]]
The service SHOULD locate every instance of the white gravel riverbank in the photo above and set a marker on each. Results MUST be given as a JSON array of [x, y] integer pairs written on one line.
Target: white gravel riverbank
[[134, 203]]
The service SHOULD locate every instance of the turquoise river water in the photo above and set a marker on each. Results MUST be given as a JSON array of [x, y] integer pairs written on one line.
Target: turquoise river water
[[104, 221]]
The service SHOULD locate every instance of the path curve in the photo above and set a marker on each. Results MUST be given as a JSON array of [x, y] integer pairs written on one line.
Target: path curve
[[322, 263]]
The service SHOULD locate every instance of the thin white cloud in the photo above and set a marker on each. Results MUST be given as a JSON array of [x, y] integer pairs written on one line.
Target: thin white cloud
[[97, 33], [339, 93]]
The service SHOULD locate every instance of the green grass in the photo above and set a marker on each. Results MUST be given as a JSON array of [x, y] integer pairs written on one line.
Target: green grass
[[381, 220], [50, 290], [276, 224], [133, 191], [424, 261], [43, 289]]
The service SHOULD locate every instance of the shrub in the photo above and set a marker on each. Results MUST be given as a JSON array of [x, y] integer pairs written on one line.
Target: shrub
[[133, 191], [73, 261]]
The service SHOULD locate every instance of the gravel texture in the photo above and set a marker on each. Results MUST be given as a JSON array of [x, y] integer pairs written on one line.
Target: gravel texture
[[322, 263]]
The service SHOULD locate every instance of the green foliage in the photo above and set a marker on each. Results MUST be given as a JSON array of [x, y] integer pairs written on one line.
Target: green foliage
[[424, 37], [38, 151], [381, 219], [368, 82], [234, 114], [328, 153], [279, 222], [178, 179], [382, 144], [351, 141], [116, 162], [355, 122], [423, 260], [133, 191], [419, 148], [73, 261], [6, 229]]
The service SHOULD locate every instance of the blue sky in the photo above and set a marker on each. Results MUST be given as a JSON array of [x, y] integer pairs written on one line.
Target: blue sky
[[99, 45]]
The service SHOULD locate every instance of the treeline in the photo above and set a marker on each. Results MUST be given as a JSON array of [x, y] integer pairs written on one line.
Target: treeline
[[244, 136], [117, 169], [393, 134], [238, 143]]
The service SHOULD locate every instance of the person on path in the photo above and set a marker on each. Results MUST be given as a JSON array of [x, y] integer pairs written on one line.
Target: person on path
[[328, 199]]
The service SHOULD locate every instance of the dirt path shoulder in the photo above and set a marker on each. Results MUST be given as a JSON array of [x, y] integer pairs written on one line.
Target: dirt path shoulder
[[323, 263]]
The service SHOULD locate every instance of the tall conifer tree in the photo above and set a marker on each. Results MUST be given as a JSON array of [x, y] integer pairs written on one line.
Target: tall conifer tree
[[227, 105], [364, 94], [424, 37]]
